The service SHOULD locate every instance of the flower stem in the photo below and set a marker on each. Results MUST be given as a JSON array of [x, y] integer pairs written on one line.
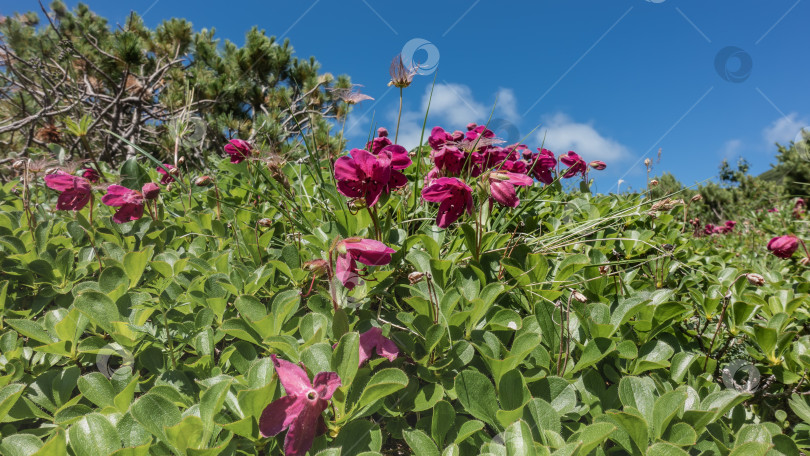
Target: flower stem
[[399, 116]]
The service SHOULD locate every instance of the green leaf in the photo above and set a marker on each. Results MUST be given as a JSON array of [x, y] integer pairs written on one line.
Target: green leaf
[[187, 434], [665, 408], [93, 435], [591, 436], [518, 439], [382, 384], [55, 446], [631, 422], [477, 395], [9, 395], [97, 389], [595, 350], [444, 416], [420, 443], [211, 404], [155, 413], [346, 357], [665, 449], [134, 265], [99, 309]]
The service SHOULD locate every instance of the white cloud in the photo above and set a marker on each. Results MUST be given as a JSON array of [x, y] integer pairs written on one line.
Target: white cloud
[[507, 105], [731, 148], [563, 134], [784, 129], [452, 107]]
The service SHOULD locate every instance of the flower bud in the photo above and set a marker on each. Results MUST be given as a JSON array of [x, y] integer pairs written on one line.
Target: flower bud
[[653, 183], [416, 277], [180, 161], [150, 191], [598, 165], [265, 222], [697, 198], [579, 296], [647, 162], [202, 181], [755, 279], [382, 132]]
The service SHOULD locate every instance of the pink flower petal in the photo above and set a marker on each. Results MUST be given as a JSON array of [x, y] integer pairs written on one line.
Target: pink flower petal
[[325, 383], [280, 414], [292, 377]]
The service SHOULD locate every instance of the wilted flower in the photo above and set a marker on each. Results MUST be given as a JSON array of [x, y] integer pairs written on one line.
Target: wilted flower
[[755, 279], [129, 201], [300, 410], [654, 183], [453, 196], [784, 246], [697, 198], [238, 150], [502, 187], [150, 191], [318, 266], [76, 191], [598, 165], [168, 177], [575, 163], [372, 340], [354, 249]]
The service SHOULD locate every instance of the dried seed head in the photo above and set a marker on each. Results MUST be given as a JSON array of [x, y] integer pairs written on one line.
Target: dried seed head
[[401, 76], [697, 198], [265, 222], [416, 277], [180, 161], [202, 181], [647, 162], [604, 269], [19, 164], [317, 267], [804, 261], [579, 296], [755, 279], [653, 183]]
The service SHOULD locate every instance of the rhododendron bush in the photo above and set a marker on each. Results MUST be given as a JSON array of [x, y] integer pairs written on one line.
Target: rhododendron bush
[[458, 298]]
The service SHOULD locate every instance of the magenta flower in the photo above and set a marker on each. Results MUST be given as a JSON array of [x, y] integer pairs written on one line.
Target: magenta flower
[[167, 177], [453, 196], [784, 246], [541, 165], [76, 191], [598, 165], [239, 150], [399, 160], [129, 201], [363, 175], [575, 163], [380, 142], [354, 249], [449, 159], [150, 191], [373, 339], [502, 187], [300, 411], [90, 174], [438, 137]]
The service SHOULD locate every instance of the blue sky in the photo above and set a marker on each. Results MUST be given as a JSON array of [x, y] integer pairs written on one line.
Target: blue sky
[[611, 79]]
